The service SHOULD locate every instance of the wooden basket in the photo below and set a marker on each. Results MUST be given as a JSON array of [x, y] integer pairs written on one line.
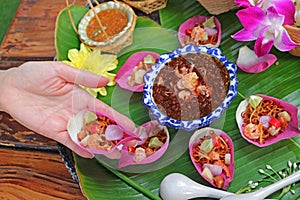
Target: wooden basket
[[112, 45], [147, 6], [294, 33], [216, 7]]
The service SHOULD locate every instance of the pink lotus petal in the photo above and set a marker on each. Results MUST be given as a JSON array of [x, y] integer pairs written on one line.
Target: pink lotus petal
[[195, 139], [75, 125], [113, 132], [291, 130], [127, 157], [248, 61], [190, 23], [127, 69]]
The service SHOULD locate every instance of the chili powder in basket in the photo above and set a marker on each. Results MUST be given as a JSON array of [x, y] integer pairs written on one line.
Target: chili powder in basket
[[191, 86], [113, 22]]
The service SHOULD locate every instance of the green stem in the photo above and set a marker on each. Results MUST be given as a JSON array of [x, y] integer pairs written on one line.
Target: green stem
[[284, 191], [242, 190], [241, 95], [291, 139], [132, 183]]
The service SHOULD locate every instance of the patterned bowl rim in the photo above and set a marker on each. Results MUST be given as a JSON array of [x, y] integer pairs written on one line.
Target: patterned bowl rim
[[190, 125], [105, 6]]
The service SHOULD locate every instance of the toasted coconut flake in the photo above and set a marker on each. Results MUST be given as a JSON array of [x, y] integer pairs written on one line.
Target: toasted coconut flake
[[128, 69], [214, 155], [291, 130], [206, 33]]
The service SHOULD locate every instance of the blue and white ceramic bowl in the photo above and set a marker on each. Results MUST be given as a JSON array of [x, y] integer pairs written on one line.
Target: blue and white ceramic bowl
[[190, 125]]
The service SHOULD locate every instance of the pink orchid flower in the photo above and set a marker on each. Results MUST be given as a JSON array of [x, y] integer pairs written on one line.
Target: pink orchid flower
[[283, 7], [264, 27]]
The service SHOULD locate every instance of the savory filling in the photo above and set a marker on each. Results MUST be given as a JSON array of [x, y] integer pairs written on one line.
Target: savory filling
[[113, 22], [191, 86], [157, 136], [142, 67], [212, 154], [202, 33], [264, 119], [92, 135]]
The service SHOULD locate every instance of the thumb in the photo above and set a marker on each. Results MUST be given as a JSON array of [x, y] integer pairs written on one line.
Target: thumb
[[78, 76]]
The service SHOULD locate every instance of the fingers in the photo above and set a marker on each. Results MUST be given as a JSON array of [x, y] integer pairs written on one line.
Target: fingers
[[65, 139], [79, 151], [80, 77]]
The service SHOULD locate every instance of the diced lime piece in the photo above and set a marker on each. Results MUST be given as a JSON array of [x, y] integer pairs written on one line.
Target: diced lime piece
[[149, 59], [207, 145], [89, 117], [155, 143], [209, 23], [254, 100], [285, 115]]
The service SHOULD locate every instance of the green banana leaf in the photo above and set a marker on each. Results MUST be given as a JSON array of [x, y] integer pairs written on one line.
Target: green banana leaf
[[99, 181]]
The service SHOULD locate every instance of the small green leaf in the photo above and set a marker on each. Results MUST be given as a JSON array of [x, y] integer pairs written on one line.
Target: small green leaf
[[254, 100]]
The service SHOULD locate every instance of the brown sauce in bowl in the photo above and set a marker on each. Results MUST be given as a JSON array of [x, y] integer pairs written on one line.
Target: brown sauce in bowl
[[191, 86], [113, 21]]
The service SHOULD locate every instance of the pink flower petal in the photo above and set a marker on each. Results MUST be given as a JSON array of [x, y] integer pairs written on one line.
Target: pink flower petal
[[291, 130], [283, 42], [244, 35], [190, 23], [195, 139], [247, 3], [127, 69], [264, 42], [127, 158], [286, 8], [274, 17], [243, 3], [248, 61], [251, 18]]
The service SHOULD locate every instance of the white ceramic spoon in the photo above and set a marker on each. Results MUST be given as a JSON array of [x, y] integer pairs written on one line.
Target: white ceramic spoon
[[179, 187]]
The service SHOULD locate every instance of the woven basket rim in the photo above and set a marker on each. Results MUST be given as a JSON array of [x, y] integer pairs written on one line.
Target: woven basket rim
[[147, 5], [218, 7], [294, 32]]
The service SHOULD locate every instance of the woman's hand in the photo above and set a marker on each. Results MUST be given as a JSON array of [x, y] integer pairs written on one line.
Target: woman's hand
[[44, 95]]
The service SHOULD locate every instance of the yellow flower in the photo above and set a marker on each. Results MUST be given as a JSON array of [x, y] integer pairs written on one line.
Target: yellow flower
[[94, 62]]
